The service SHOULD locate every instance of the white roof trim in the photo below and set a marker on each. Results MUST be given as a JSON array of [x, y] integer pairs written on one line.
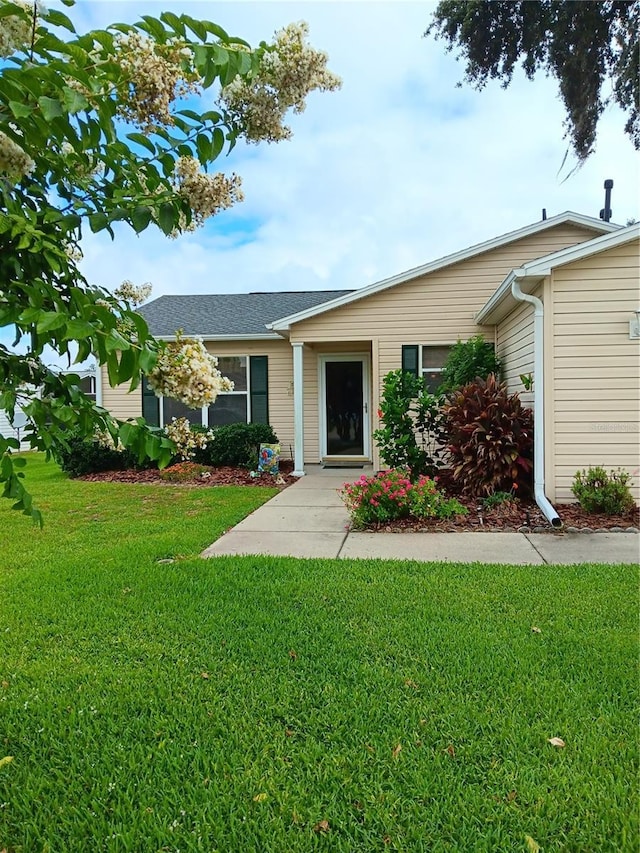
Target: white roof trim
[[268, 336], [597, 225], [538, 269]]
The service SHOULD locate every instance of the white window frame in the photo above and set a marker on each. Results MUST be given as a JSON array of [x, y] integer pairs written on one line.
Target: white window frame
[[421, 347], [204, 419]]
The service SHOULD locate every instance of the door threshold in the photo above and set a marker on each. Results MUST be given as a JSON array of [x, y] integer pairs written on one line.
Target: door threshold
[[344, 462]]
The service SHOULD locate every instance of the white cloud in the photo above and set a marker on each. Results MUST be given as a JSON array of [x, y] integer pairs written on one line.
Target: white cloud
[[398, 168]]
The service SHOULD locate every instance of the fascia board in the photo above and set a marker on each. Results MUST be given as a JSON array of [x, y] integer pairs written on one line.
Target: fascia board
[[223, 338], [534, 271], [567, 217], [544, 265], [497, 306]]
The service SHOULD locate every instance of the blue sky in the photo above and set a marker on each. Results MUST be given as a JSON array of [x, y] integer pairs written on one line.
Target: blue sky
[[398, 168]]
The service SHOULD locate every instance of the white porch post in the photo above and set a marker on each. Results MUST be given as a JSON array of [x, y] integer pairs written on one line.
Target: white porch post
[[298, 410]]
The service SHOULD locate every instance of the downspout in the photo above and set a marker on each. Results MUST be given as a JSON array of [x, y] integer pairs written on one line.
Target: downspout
[[538, 403]]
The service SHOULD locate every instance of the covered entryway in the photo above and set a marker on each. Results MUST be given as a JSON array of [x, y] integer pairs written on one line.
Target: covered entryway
[[344, 407]]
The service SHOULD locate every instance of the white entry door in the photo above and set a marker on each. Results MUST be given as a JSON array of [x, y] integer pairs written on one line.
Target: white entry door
[[344, 406]]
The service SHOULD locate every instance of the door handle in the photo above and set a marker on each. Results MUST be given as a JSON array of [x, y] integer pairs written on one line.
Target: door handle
[[366, 408]]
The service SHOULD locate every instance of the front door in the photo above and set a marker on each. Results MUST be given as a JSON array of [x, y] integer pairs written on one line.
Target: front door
[[345, 406]]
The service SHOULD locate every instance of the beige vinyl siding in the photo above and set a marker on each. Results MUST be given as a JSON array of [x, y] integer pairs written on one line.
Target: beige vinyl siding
[[438, 308], [514, 346], [596, 367], [435, 309], [124, 405], [118, 401], [280, 367]]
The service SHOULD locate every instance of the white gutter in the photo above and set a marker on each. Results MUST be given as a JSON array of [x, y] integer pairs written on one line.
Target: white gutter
[[223, 338], [538, 403]]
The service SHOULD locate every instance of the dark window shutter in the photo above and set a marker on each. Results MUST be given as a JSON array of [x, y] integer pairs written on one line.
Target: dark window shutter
[[410, 358], [150, 404], [259, 384]]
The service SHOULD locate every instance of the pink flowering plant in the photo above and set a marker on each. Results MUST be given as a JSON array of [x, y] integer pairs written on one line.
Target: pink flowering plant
[[390, 495]]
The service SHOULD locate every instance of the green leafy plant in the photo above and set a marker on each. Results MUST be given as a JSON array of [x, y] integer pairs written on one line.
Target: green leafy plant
[[599, 491], [497, 499], [391, 495], [92, 133], [527, 381], [490, 438], [90, 456], [411, 435], [236, 444], [468, 360]]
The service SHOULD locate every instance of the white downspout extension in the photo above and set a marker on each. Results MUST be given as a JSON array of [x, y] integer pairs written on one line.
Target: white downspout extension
[[538, 404], [298, 410]]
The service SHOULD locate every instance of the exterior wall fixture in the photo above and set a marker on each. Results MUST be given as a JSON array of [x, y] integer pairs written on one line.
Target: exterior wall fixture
[[634, 325]]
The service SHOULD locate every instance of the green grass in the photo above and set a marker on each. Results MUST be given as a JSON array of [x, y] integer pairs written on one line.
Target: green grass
[[234, 704]]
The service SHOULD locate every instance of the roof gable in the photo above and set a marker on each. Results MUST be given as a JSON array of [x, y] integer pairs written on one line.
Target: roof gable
[[597, 225], [533, 271]]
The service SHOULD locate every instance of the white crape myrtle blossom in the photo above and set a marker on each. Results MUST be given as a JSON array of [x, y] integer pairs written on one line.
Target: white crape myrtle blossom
[[132, 293], [156, 74], [288, 72], [14, 161], [105, 439], [185, 371], [186, 441], [205, 194], [15, 31]]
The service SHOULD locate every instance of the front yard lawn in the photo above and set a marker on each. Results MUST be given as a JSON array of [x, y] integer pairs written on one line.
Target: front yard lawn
[[272, 704]]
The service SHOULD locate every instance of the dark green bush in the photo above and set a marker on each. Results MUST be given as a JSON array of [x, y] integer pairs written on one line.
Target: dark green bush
[[410, 435], [468, 360], [598, 491], [236, 444], [90, 457], [490, 439]]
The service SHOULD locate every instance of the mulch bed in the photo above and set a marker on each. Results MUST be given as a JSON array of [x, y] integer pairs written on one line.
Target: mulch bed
[[517, 515], [222, 476]]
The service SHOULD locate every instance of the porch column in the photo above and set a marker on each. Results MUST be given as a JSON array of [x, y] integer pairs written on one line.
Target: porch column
[[298, 410]]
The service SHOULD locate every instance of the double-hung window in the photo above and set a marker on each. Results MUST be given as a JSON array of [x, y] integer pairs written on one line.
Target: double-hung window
[[427, 361], [247, 403]]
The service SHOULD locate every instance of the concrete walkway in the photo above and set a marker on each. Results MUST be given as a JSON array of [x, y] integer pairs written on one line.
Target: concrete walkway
[[308, 519]]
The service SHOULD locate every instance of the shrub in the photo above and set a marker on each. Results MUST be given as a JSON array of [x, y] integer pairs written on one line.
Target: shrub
[[90, 457], [183, 472], [467, 361], [408, 412], [597, 491], [390, 495], [490, 438], [497, 499], [236, 444]]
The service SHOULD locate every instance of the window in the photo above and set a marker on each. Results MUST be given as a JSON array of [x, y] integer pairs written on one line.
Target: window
[[87, 385], [232, 406], [248, 402], [433, 361], [427, 361]]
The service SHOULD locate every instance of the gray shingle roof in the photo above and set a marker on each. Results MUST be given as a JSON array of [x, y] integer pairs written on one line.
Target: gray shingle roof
[[220, 314]]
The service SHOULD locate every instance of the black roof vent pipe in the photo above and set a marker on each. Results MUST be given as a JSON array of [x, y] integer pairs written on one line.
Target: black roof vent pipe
[[606, 211], [544, 213]]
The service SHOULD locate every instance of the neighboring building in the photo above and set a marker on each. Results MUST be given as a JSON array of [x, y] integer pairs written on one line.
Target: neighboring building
[[89, 383], [312, 363]]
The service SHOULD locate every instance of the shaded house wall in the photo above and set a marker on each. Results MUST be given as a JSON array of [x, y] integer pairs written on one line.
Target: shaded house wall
[[594, 374]]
